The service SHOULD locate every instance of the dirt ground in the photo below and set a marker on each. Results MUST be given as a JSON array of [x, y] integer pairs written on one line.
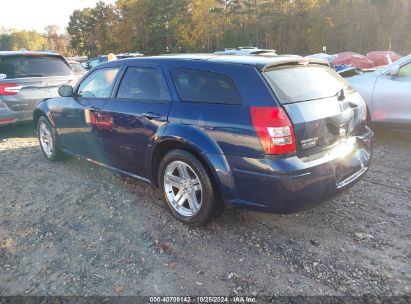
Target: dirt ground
[[72, 228]]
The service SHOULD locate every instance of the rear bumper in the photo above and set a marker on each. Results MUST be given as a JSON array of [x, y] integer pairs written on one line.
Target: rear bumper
[[285, 185], [8, 117]]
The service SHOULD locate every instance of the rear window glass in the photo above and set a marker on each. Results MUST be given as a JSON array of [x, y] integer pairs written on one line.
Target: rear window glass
[[33, 66], [206, 87], [294, 84]]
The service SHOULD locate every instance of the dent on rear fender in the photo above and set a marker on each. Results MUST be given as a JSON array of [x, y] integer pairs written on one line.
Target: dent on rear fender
[[223, 174]]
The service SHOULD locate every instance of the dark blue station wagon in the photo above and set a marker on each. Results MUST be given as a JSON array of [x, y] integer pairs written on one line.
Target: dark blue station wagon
[[274, 134]]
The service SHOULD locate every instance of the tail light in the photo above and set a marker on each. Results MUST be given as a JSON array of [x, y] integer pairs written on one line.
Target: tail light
[[274, 130], [9, 89], [7, 120]]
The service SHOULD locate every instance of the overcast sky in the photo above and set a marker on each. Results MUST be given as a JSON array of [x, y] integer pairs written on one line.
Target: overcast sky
[[37, 14]]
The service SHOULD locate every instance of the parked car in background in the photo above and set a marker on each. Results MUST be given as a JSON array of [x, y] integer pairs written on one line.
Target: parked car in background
[[26, 78], [128, 55], [247, 51], [327, 57], [274, 134], [80, 59], [104, 58], [387, 92], [382, 58], [77, 68], [351, 59], [95, 62]]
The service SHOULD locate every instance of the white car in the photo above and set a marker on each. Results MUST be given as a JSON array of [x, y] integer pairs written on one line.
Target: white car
[[387, 92]]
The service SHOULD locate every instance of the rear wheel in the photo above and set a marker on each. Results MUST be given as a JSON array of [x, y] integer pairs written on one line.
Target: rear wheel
[[187, 189], [47, 140]]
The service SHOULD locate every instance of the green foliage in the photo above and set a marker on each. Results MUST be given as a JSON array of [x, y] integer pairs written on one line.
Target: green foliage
[[17, 40]]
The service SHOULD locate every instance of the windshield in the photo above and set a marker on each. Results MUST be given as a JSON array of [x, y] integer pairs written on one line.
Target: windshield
[[301, 83], [33, 66]]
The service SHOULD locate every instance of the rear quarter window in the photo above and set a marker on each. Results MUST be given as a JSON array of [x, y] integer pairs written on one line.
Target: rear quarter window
[[33, 66], [301, 83], [201, 86]]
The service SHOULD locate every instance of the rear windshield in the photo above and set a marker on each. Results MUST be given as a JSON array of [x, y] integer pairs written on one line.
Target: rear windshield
[[294, 84], [32, 66]]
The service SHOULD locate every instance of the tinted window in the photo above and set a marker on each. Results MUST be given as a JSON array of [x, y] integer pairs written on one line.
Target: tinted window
[[33, 66], [143, 84], [293, 84], [207, 87], [98, 84]]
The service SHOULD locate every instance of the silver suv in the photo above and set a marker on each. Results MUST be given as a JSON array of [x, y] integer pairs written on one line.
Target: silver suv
[[26, 78]]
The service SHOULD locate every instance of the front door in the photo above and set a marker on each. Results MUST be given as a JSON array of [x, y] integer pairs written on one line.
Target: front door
[[139, 109], [80, 121], [392, 97]]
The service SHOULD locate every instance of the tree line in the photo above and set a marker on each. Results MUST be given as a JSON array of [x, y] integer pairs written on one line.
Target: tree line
[[13, 40], [288, 26]]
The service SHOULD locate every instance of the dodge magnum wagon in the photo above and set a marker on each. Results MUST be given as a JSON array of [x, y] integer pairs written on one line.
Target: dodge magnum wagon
[[273, 134]]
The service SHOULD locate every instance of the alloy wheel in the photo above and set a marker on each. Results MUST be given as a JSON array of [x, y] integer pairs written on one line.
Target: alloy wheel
[[183, 188], [46, 139]]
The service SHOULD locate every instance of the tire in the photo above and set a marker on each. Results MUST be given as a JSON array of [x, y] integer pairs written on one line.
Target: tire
[[189, 196], [48, 140]]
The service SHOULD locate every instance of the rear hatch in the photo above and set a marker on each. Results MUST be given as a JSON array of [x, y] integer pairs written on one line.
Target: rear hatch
[[322, 106], [26, 79]]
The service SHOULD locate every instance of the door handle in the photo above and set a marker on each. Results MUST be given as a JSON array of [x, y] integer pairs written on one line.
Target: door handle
[[152, 115]]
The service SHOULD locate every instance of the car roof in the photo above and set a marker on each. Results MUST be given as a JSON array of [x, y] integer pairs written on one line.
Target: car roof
[[261, 62], [27, 53]]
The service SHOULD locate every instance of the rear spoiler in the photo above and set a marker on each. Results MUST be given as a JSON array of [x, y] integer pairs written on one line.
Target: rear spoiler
[[294, 61]]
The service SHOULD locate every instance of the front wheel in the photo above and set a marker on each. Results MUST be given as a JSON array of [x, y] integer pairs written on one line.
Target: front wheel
[[47, 140], [187, 188]]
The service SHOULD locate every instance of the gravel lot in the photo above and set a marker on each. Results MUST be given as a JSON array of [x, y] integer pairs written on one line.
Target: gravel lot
[[72, 228]]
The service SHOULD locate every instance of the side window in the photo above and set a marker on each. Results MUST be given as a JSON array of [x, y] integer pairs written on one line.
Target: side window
[[143, 84], [206, 87], [405, 71], [98, 84]]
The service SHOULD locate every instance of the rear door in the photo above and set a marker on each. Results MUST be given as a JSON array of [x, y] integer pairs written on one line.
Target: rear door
[[31, 78], [321, 105], [139, 109], [392, 97]]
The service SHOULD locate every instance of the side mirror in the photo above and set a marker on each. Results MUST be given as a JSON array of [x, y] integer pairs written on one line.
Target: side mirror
[[395, 70], [66, 91]]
